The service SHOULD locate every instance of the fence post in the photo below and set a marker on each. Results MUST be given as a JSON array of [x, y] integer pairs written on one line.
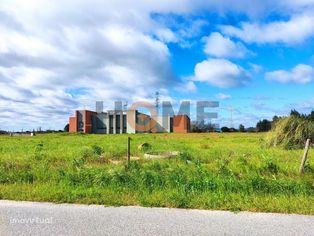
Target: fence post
[[306, 150], [129, 151]]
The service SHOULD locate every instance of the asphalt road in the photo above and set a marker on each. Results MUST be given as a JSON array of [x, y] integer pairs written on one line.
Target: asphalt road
[[29, 218]]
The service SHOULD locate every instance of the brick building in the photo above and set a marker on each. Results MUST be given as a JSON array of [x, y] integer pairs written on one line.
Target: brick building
[[122, 121], [181, 124]]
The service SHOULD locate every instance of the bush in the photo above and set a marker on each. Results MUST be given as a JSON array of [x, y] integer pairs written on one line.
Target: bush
[[97, 150], [144, 147], [291, 132], [225, 129], [87, 152]]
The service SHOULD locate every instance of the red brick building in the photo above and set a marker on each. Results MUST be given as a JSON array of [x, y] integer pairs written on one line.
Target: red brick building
[[116, 122], [181, 124]]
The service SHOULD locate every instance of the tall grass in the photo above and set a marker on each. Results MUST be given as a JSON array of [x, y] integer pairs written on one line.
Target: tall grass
[[291, 132]]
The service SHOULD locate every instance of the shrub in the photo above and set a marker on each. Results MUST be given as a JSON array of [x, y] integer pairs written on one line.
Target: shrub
[[97, 150], [87, 152], [144, 147], [225, 129]]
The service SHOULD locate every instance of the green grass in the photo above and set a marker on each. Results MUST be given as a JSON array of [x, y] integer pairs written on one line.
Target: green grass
[[214, 171]]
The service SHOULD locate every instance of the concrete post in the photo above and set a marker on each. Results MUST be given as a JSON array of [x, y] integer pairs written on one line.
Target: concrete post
[[107, 124], [121, 122], [114, 122]]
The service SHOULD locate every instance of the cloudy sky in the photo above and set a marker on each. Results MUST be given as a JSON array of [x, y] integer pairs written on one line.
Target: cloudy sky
[[255, 57]]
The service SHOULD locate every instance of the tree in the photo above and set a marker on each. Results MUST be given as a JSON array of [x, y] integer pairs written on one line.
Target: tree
[[225, 129], [241, 128], [295, 113], [311, 116], [3, 132], [66, 128], [275, 119], [233, 130], [202, 127], [263, 126], [251, 129]]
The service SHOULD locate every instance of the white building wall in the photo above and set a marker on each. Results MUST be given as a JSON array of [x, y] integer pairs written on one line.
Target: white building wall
[[163, 124], [130, 128]]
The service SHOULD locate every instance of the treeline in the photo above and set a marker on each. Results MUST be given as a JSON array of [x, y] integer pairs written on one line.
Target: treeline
[[261, 126], [266, 125], [3, 132], [208, 127]]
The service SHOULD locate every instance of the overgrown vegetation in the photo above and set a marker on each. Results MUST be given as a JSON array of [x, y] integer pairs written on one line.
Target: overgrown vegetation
[[214, 171], [292, 132]]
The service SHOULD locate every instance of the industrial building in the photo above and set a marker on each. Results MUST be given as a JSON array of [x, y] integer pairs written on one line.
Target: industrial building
[[126, 121]]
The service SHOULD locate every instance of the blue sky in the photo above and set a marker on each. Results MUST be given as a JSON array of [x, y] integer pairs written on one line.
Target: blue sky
[[256, 57]]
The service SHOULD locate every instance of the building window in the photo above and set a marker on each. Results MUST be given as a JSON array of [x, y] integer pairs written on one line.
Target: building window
[[124, 124], [110, 124], [118, 126]]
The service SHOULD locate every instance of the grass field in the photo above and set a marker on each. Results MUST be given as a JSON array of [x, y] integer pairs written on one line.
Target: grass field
[[214, 171]]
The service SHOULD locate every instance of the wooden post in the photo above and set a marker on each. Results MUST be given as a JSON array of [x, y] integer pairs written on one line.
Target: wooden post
[[306, 150], [129, 151]]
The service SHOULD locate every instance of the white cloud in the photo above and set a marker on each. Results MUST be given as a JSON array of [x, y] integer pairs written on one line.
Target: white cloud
[[221, 73], [219, 46], [58, 56], [182, 31], [298, 4], [187, 85], [166, 35], [73, 54], [193, 28], [295, 30], [223, 96], [305, 106], [300, 74], [256, 68]]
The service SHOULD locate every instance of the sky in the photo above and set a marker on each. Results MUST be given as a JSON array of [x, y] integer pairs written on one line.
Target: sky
[[255, 57]]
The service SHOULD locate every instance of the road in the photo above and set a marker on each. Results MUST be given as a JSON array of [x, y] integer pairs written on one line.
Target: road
[[31, 218]]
